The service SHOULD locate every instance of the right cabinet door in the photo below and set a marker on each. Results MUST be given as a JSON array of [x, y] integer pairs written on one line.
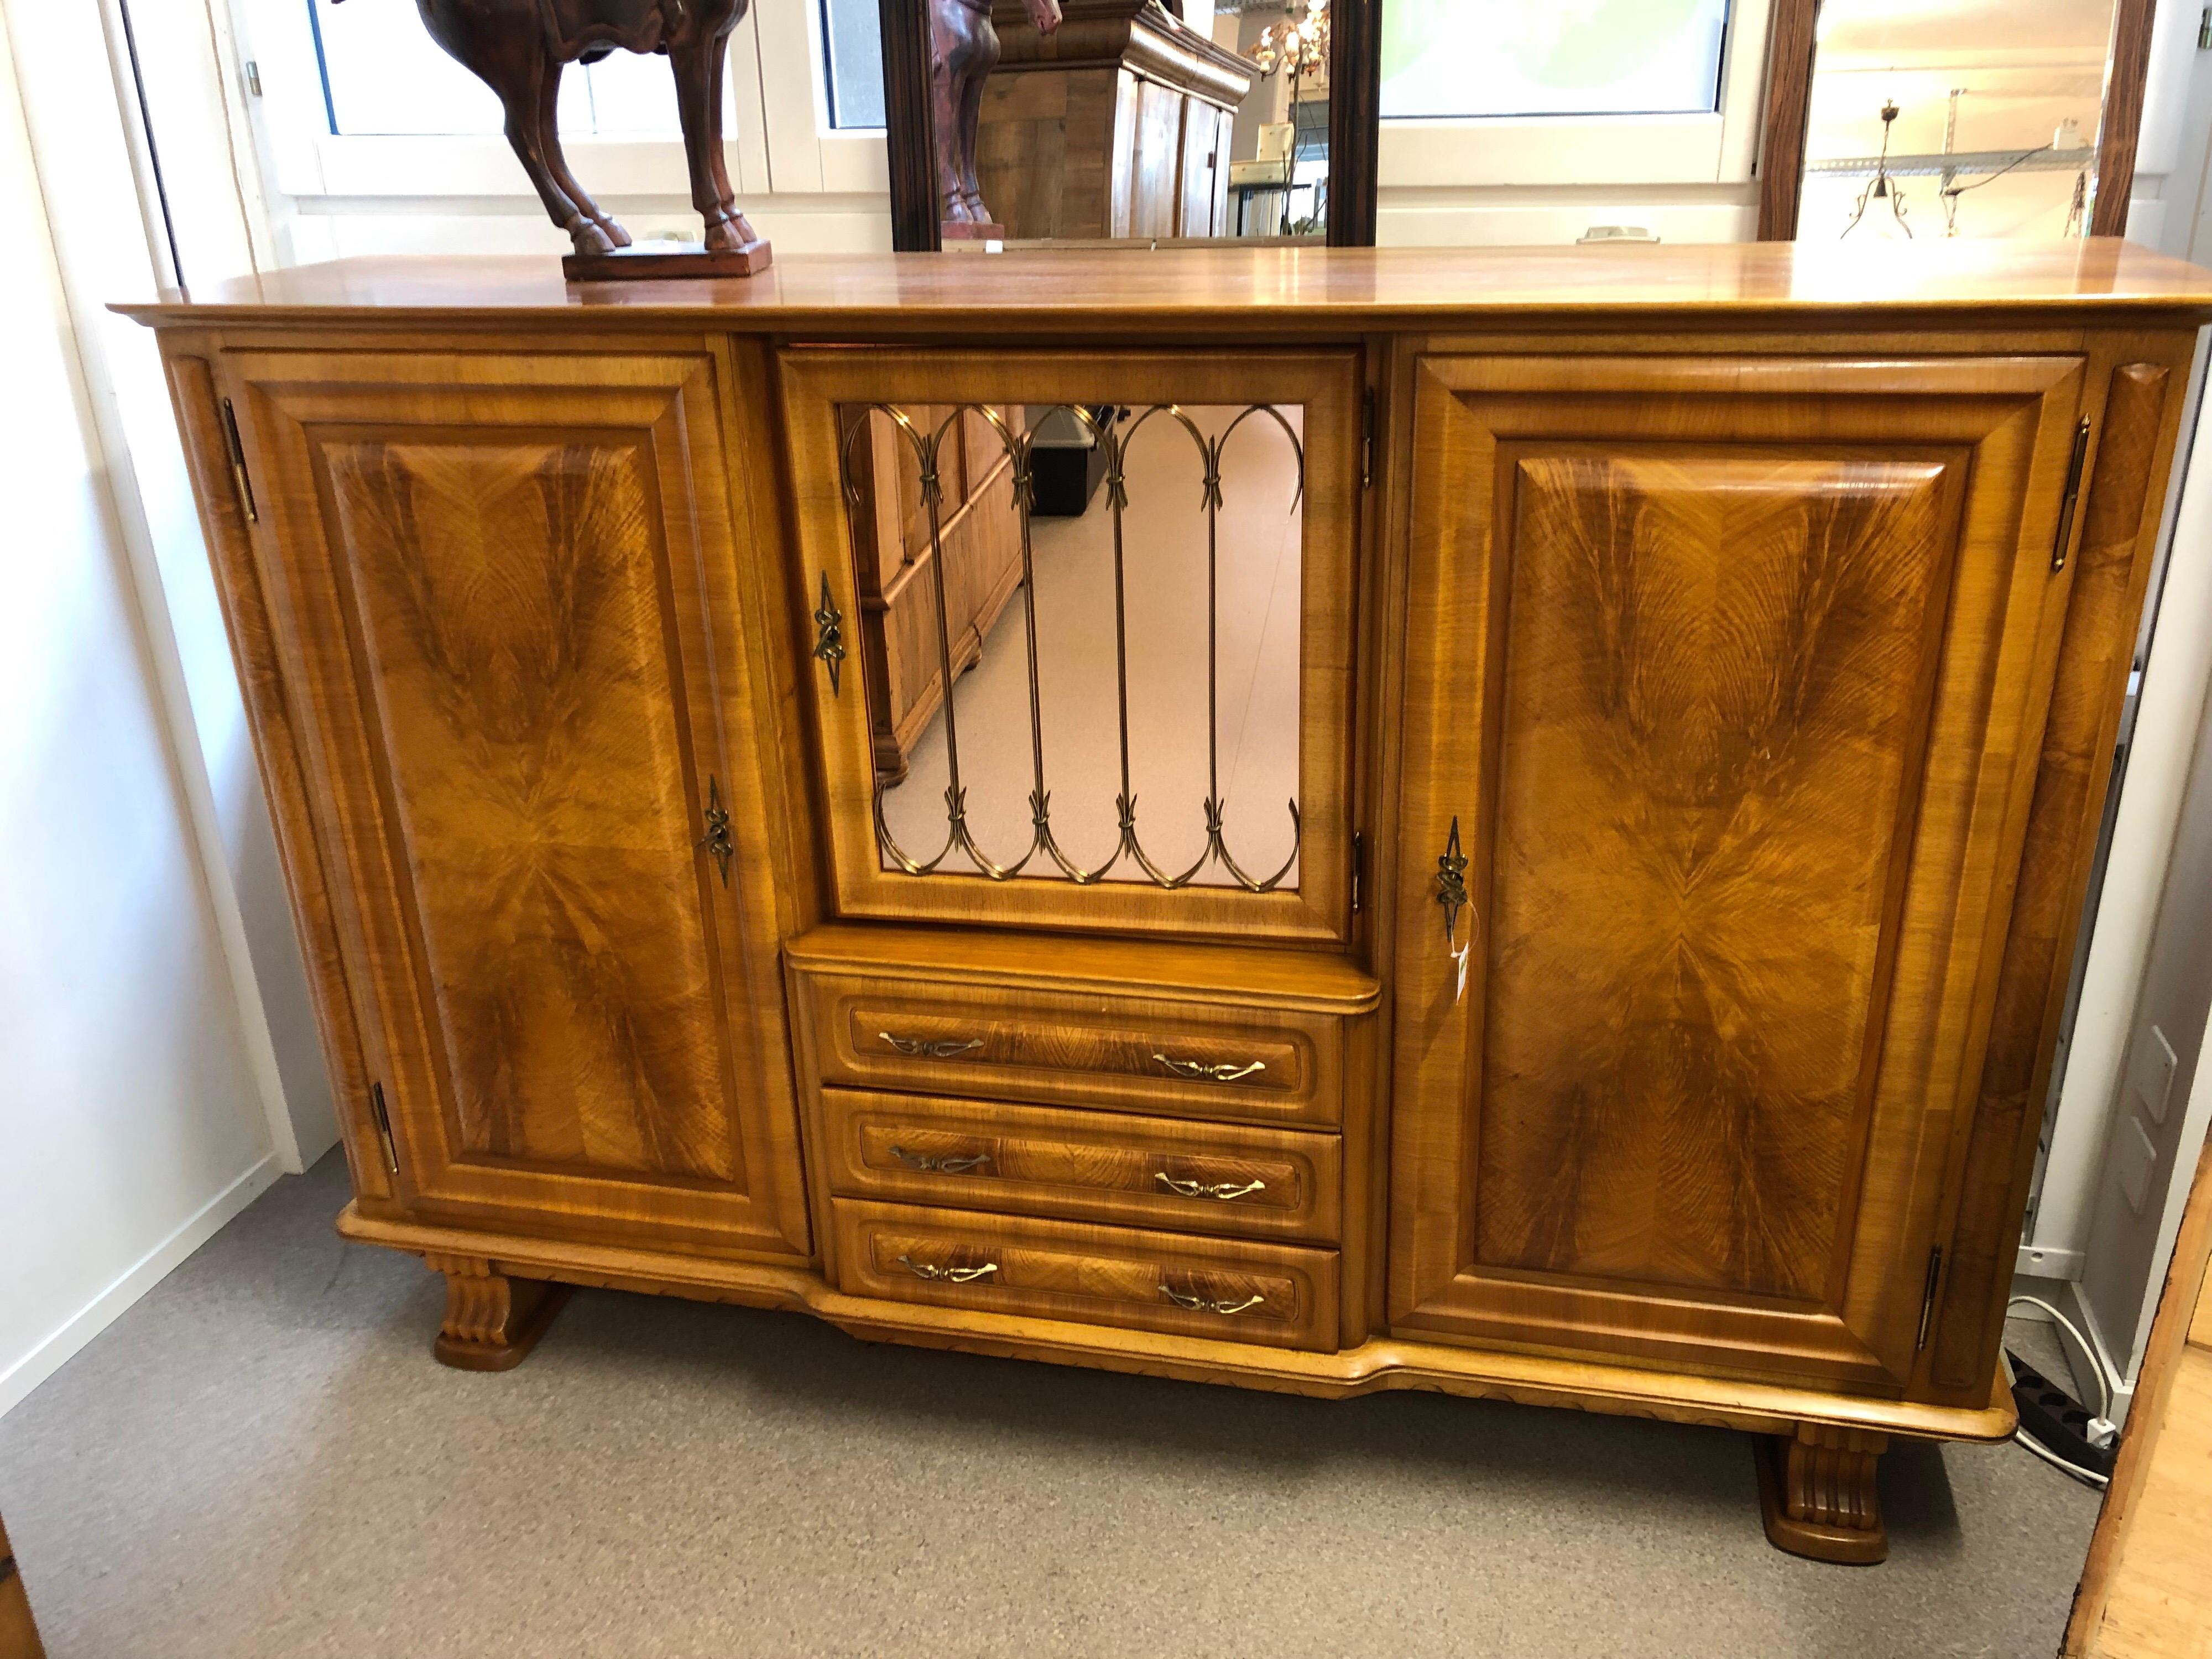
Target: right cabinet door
[[1724, 682]]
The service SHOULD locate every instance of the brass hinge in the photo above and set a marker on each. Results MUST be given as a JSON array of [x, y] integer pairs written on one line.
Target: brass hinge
[[717, 840], [383, 1128], [238, 463], [1367, 438], [2073, 494], [1927, 1295], [1358, 867]]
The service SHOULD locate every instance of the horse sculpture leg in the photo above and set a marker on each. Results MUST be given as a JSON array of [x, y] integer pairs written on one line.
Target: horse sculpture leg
[[529, 96], [697, 65], [556, 163]]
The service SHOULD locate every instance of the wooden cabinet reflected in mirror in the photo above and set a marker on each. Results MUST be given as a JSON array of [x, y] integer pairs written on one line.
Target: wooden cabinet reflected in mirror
[[1149, 121]]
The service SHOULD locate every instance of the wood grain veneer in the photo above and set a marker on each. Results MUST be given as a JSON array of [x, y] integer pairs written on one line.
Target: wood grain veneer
[[1732, 603]]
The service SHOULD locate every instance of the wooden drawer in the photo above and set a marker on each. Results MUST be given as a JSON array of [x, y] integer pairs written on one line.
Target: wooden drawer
[[1086, 1166], [1275, 1295], [1197, 1060]]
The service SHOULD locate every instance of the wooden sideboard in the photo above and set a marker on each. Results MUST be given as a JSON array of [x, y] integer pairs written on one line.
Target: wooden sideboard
[[1693, 673]]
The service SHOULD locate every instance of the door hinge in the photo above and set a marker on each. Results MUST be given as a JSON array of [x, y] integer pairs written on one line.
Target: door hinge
[[253, 77], [238, 463], [717, 840], [2073, 494], [1367, 438], [376, 1110], [1358, 868], [1927, 1295]]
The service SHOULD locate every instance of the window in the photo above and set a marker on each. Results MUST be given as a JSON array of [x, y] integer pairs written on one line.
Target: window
[[852, 46], [1463, 58], [383, 75]]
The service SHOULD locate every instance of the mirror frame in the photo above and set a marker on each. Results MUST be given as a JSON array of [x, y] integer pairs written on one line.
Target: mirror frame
[[1355, 80], [1791, 47]]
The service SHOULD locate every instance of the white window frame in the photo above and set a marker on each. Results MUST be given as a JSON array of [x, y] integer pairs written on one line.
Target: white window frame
[[779, 138], [1571, 150]]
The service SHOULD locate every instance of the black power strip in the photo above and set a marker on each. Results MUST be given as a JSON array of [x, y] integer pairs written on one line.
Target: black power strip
[[2056, 1420]]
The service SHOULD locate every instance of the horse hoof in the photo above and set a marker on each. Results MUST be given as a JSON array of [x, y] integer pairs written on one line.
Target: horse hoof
[[726, 236], [590, 238], [615, 233]]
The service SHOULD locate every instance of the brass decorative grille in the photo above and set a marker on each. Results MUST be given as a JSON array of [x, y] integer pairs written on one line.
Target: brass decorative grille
[[1045, 856]]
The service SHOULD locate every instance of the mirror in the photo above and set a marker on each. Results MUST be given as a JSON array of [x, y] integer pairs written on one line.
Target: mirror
[[1113, 597], [1086, 123], [1956, 119], [1967, 118]]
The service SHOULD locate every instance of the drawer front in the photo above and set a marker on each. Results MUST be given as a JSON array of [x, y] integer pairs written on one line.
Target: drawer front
[[1274, 1295], [1210, 1060], [1086, 1166]]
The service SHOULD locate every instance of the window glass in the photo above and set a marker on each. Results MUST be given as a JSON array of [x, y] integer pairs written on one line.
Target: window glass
[[383, 73], [1493, 58], [853, 43]]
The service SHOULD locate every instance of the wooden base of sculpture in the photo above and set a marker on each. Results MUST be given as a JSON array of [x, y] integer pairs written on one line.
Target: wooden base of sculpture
[[1816, 1493], [492, 1321], [971, 230], [667, 261]]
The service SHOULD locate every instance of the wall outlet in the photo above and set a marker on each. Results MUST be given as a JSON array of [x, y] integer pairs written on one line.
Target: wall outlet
[[2150, 1074]]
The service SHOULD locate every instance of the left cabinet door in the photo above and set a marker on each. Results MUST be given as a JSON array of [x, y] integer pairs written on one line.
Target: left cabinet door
[[508, 610]]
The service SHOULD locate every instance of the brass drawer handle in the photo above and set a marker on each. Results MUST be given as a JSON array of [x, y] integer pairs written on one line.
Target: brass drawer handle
[[951, 1275], [1227, 1071], [955, 1165], [1207, 1304], [944, 1050], [1223, 1190]]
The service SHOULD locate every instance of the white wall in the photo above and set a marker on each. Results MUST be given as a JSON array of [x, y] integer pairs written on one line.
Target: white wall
[[133, 1118]]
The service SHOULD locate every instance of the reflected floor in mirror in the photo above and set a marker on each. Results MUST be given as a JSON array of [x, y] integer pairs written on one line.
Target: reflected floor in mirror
[[1164, 627]]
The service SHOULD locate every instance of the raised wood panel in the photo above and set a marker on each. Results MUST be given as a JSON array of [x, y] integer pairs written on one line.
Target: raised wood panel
[[497, 584], [1269, 1295], [1727, 670], [1083, 1166], [1712, 696]]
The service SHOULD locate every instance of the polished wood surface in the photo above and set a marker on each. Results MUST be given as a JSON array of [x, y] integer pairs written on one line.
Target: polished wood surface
[[1250, 291], [1726, 691], [2111, 560], [499, 582], [1267, 1294], [1252, 1064], [2143, 1592], [1791, 45], [19, 1635], [1817, 1494], [1376, 1364], [1730, 601], [1085, 1166], [819, 383]]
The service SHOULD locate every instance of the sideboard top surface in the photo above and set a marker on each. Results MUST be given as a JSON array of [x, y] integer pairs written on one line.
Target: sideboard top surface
[[1275, 286]]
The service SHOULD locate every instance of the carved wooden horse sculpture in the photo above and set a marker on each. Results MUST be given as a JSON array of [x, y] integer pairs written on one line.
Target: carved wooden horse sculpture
[[518, 48]]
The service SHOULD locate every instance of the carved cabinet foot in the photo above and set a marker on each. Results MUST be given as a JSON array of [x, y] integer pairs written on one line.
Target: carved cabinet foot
[[492, 1321], [1816, 1493]]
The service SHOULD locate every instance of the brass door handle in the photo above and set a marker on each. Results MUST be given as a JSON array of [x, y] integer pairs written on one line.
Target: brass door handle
[[941, 1050], [951, 1275], [1227, 1071], [1207, 1304], [1221, 1189], [957, 1165]]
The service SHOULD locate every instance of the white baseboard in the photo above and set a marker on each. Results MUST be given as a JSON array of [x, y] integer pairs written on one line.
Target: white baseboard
[[49, 1356]]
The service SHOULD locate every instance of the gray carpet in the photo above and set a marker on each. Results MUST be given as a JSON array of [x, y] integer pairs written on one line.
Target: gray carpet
[[261, 1460]]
